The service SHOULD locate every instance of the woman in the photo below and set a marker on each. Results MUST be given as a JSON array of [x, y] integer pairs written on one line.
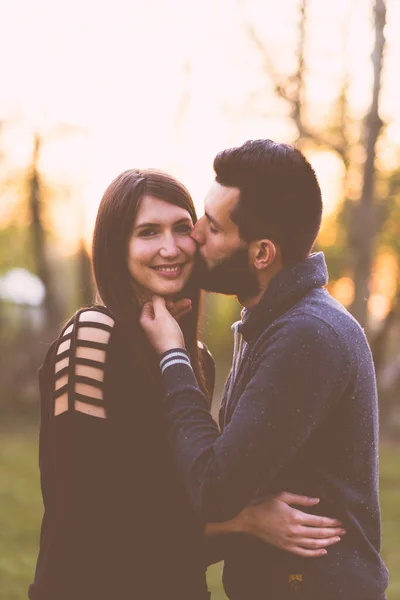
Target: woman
[[117, 522]]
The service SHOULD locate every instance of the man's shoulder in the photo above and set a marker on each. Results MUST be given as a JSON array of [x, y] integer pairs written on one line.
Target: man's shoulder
[[319, 309], [319, 317]]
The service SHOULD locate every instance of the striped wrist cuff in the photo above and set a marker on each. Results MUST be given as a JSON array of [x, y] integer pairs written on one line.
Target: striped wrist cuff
[[174, 357]]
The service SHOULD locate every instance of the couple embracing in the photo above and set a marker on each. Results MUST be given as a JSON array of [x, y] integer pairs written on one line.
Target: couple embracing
[[141, 488]]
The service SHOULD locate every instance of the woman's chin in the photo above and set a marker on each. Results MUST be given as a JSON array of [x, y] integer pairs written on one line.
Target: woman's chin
[[169, 289], [169, 292]]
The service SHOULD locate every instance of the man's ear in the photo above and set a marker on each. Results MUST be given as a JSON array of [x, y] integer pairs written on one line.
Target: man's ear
[[263, 254]]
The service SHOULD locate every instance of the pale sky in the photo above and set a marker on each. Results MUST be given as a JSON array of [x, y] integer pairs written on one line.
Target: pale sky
[[115, 85]]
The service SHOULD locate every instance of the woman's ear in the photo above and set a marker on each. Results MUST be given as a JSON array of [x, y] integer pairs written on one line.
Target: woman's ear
[[263, 254]]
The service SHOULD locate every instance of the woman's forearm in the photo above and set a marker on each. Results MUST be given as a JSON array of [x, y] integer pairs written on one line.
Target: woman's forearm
[[232, 526]]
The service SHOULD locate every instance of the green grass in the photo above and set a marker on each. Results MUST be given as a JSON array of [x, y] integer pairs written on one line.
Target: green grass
[[390, 507], [21, 510]]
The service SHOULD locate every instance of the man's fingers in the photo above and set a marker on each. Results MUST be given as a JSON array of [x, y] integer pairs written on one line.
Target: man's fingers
[[316, 520], [179, 308], [179, 304], [182, 313], [290, 498]]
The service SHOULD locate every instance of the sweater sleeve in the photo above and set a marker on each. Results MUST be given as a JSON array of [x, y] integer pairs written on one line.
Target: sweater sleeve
[[297, 378]]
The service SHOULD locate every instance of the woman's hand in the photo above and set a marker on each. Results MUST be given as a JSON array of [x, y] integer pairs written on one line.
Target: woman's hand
[[161, 329], [276, 522]]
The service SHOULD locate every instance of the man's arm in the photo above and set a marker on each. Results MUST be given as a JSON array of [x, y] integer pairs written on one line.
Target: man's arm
[[297, 378]]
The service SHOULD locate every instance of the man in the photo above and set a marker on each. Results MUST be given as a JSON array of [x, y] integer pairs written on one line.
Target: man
[[299, 411]]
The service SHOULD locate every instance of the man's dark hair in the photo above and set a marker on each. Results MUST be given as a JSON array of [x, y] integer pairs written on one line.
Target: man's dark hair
[[280, 198]]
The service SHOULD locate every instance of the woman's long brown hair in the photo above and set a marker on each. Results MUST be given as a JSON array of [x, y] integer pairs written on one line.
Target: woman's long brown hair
[[113, 228]]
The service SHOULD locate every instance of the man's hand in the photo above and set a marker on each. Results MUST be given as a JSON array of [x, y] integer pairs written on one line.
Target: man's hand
[[277, 523], [179, 308], [161, 329]]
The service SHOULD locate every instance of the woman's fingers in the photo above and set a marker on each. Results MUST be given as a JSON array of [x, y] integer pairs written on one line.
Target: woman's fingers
[[161, 329], [321, 532], [290, 498], [306, 518], [307, 552], [147, 313], [316, 520], [159, 305], [316, 544]]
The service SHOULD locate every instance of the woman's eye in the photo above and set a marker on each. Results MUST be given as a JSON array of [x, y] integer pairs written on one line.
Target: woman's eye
[[147, 232], [213, 230], [184, 229]]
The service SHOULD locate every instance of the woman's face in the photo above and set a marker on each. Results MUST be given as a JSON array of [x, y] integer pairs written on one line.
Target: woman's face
[[161, 251]]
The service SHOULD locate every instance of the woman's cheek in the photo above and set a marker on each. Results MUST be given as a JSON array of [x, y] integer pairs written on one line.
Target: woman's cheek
[[146, 250], [189, 247]]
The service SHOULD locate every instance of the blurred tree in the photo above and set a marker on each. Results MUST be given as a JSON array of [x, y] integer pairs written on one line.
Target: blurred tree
[[85, 278], [28, 240], [291, 89], [386, 343], [52, 308], [365, 224], [362, 220]]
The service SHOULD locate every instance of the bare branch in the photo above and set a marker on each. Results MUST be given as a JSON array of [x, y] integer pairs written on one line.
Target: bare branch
[[291, 88]]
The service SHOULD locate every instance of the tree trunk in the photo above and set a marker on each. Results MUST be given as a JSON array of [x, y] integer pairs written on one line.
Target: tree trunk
[[38, 239], [380, 341], [364, 226]]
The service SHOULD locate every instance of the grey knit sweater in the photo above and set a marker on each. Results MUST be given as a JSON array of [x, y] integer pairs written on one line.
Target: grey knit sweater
[[302, 417]]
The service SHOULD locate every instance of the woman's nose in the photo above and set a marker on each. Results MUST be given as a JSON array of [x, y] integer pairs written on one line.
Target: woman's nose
[[169, 248]]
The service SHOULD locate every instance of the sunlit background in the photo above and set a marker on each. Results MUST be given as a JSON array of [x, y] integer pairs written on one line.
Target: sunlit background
[[89, 89]]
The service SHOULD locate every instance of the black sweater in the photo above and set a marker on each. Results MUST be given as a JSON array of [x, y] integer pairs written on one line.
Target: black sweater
[[302, 417], [117, 523]]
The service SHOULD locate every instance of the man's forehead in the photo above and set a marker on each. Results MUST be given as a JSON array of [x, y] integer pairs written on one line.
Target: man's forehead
[[221, 198]]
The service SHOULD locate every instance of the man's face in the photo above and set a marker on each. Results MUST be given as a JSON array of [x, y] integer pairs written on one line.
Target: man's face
[[224, 265], [216, 233]]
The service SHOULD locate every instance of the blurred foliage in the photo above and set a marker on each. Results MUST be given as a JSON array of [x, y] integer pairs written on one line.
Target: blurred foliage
[[390, 235], [15, 249], [334, 241], [23, 342]]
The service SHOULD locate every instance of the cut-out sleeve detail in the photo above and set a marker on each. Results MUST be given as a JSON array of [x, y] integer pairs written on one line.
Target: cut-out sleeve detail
[[80, 360]]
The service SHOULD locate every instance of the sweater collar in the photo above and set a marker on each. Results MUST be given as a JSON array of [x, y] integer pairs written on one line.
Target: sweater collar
[[285, 290]]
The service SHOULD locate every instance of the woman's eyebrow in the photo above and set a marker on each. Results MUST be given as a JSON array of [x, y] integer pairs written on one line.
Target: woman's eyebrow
[[142, 225], [184, 220]]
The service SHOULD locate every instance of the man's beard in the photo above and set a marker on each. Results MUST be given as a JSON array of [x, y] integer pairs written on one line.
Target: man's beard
[[232, 276]]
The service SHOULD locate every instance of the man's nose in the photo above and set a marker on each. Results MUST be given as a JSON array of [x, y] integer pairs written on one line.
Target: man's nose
[[197, 232], [169, 248]]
